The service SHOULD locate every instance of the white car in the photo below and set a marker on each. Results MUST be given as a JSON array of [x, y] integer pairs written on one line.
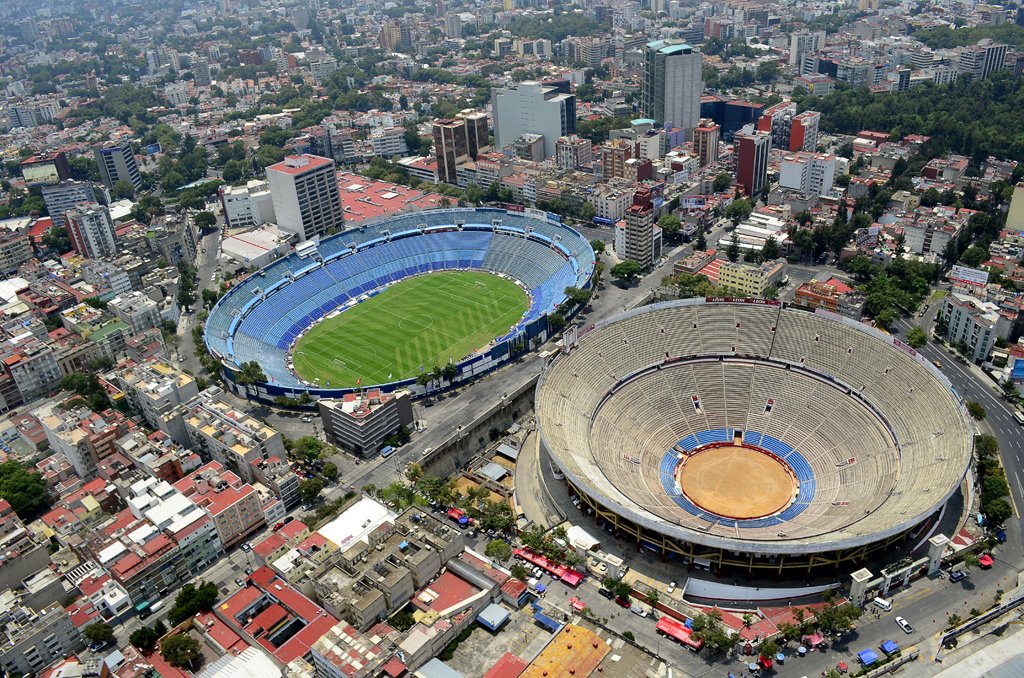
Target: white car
[[905, 625], [671, 587], [306, 420]]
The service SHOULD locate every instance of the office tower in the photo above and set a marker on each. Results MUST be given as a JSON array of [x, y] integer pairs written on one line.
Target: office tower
[[458, 140], [673, 84], [705, 141], [752, 161], [534, 108], [304, 191], [804, 134], [91, 230], [573, 152], [61, 197], [117, 163], [451, 147], [809, 173]]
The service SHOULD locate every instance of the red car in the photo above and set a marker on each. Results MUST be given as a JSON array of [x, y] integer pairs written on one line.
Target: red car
[[277, 527], [623, 602]]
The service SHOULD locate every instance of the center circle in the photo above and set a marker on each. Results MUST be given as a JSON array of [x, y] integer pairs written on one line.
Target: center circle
[[736, 481]]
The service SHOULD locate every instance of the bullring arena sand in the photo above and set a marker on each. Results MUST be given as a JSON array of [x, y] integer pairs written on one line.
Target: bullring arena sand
[[736, 482]]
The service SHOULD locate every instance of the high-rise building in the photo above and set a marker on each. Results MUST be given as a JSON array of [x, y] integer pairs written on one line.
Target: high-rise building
[[641, 242], [458, 140], [91, 230], [532, 107], [673, 84], [201, 72], [801, 44], [117, 163], [304, 191], [573, 152], [705, 141], [450, 146], [453, 25], [614, 153], [777, 120], [15, 250], [61, 197], [752, 161], [982, 59], [809, 173], [804, 134]]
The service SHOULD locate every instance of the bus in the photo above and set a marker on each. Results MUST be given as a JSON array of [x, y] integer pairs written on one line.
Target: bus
[[603, 221]]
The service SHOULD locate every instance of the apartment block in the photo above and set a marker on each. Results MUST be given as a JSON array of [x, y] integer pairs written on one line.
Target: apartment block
[[360, 422], [157, 391], [30, 640], [233, 438], [136, 310], [233, 505], [751, 280], [304, 191]]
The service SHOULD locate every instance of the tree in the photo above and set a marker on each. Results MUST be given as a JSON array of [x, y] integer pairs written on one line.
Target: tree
[[309, 490], [770, 250], [738, 210], [250, 374], [519, 571], [99, 633], [329, 471], [205, 219], [144, 639], [917, 337], [191, 600], [180, 650], [625, 272], [25, 491], [444, 203], [450, 371], [997, 512], [931, 197], [122, 190], [670, 225], [722, 182], [233, 171], [768, 648], [701, 243], [976, 410], [733, 250], [210, 298], [587, 212], [499, 550], [598, 246], [973, 256]]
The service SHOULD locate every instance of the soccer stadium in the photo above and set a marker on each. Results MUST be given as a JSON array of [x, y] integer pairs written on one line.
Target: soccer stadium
[[383, 303], [753, 435]]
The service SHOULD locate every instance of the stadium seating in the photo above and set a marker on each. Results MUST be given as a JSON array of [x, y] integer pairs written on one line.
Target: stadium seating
[[872, 437], [366, 259]]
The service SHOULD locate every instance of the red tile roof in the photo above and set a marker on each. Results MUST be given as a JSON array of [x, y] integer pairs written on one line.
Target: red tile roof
[[509, 666]]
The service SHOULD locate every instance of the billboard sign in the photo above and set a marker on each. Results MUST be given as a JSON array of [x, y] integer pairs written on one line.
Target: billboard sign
[[968, 276]]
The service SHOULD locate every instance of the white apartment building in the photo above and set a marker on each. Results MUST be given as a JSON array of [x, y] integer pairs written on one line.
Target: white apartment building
[[809, 173], [92, 231], [249, 205]]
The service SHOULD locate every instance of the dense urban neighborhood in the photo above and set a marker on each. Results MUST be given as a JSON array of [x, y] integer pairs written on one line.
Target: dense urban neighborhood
[[454, 339]]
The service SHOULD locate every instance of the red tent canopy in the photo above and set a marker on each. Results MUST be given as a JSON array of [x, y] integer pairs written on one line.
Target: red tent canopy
[[986, 560], [765, 662], [814, 640]]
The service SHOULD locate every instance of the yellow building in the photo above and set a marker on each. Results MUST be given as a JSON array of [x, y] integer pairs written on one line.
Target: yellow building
[[751, 280]]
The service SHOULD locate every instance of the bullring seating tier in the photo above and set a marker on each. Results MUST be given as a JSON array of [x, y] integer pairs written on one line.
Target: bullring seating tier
[[876, 436], [261, 316]]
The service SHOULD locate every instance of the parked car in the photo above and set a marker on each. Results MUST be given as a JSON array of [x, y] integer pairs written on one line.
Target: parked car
[[246, 547], [239, 581], [277, 527], [623, 602], [605, 593], [307, 419], [957, 575], [905, 625], [671, 587]]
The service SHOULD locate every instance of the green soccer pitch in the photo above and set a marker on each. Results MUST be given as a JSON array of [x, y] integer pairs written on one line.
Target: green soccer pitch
[[421, 321]]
